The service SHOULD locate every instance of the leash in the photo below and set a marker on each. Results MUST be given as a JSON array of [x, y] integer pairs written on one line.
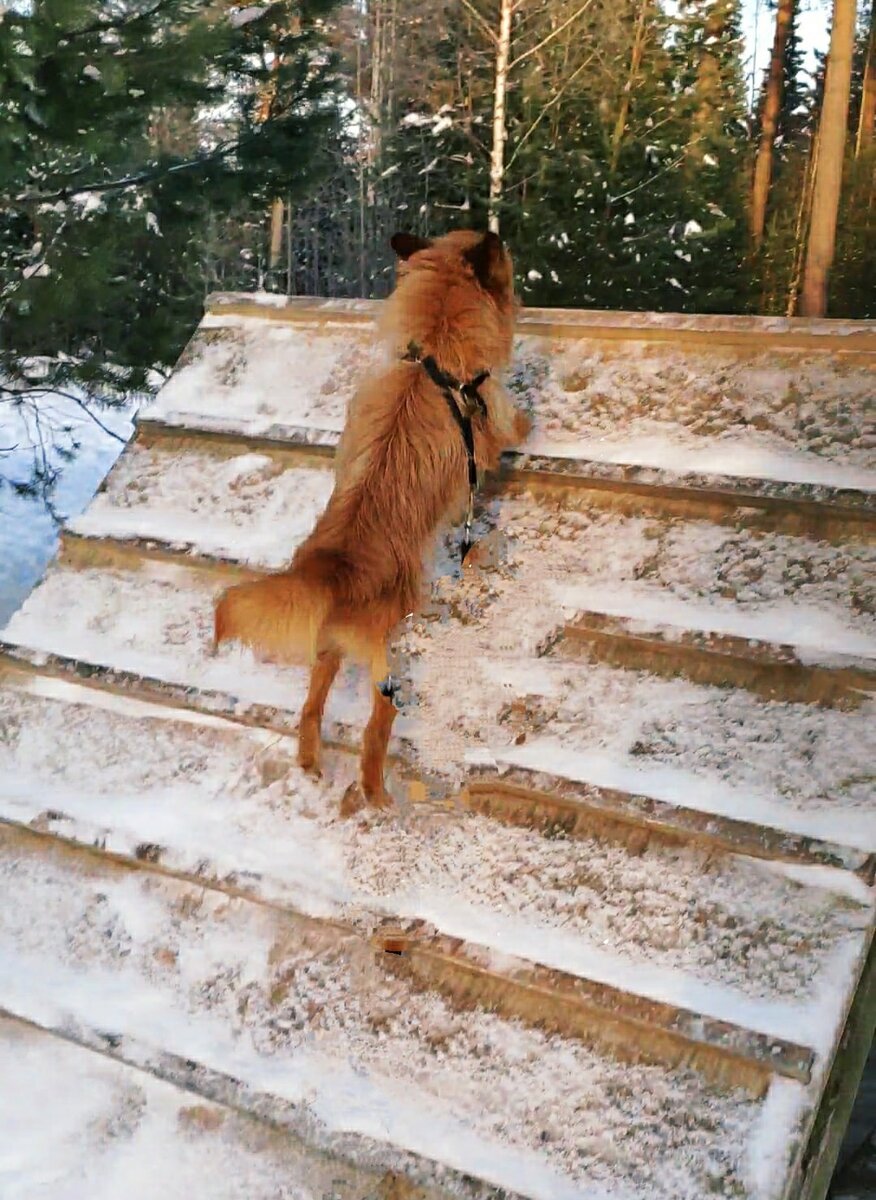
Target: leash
[[469, 404]]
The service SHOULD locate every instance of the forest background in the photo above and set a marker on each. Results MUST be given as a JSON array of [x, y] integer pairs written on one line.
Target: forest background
[[153, 151]]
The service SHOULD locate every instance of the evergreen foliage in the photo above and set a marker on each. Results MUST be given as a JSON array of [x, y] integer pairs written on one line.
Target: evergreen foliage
[[132, 134]]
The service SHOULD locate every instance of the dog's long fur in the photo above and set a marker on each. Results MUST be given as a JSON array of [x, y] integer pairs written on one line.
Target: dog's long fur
[[401, 471]]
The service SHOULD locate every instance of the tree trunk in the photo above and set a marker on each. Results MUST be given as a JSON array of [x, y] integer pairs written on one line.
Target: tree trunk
[[763, 166], [276, 234], [868, 93], [804, 208], [832, 129], [635, 62], [290, 261], [497, 157]]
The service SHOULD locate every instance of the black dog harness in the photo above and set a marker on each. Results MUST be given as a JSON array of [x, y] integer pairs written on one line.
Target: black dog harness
[[464, 401]]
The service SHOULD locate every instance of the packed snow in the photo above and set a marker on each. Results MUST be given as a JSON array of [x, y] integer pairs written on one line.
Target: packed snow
[[306, 1015], [246, 503], [775, 414], [726, 937]]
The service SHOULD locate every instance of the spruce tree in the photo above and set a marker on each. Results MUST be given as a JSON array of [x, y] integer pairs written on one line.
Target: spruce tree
[[128, 132], [714, 143]]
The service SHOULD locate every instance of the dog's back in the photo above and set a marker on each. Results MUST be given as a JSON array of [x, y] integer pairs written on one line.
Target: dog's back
[[401, 466]]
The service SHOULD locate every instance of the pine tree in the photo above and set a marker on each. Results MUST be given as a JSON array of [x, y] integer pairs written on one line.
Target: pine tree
[[795, 126], [127, 134], [851, 287], [832, 139], [770, 110], [712, 275]]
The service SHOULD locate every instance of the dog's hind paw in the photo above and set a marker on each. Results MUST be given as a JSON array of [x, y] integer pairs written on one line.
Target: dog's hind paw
[[309, 761]]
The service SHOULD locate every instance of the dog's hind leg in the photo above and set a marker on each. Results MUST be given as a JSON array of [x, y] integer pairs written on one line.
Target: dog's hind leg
[[377, 731], [375, 742], [322, 676]]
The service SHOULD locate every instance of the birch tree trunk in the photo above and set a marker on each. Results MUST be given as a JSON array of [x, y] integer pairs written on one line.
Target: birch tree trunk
[[832, 129], [763, 166], [868, 94], [497, 156]]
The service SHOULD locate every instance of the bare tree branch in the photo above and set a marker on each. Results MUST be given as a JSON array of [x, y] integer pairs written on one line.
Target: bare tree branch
[[77, 400], [550, 37], [555, 99], [485, 28]]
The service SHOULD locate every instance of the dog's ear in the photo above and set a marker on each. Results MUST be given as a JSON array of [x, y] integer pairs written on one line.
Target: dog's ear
[[488, 262], [406, 244]]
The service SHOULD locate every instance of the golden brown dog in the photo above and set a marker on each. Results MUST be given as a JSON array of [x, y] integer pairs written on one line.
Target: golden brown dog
[[402, 470]]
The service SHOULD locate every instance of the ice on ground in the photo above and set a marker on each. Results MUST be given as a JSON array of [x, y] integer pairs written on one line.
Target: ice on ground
[[73, 444]]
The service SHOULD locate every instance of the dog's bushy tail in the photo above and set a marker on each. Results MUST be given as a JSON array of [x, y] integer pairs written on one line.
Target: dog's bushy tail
[[282, 616]]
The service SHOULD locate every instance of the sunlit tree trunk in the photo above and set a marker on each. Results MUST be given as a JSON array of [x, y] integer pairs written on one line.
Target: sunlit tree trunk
[[276, 234], [868, 94], [635, 63], [832, 131], [763, 166], [497, 155]]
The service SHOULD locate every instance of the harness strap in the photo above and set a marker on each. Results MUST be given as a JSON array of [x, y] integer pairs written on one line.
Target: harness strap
[[472, 403]]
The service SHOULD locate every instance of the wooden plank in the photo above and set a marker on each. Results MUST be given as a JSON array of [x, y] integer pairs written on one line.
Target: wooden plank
[[837, 515], [268, 1121], [621, 1024], [87, 552], [290, 445], [632, 1028], [829, 518], [813, 1169], [569, 808], [846, 339], [517, 796], [17, 660], [772, 671]]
